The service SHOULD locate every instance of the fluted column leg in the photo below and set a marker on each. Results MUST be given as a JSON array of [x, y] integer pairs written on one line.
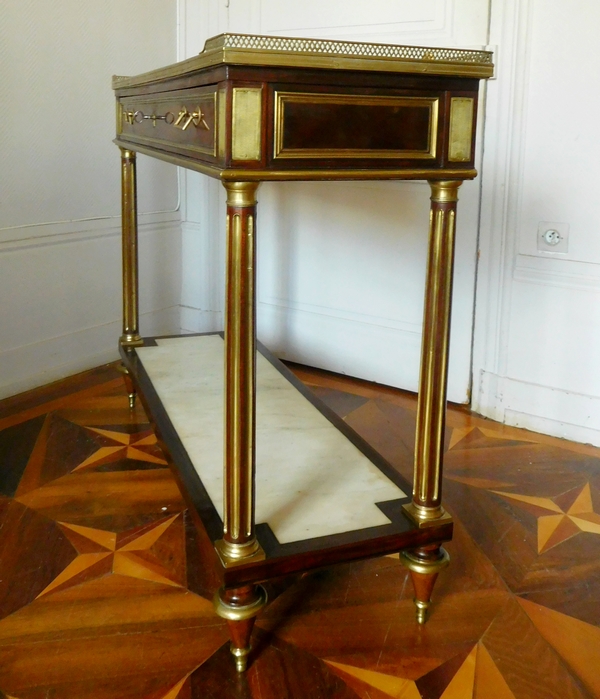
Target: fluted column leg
[[239, 543], [131, 336], [426, 506]]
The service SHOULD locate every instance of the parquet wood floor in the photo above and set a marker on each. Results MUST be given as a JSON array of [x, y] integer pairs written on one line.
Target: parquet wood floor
[[103, 593]]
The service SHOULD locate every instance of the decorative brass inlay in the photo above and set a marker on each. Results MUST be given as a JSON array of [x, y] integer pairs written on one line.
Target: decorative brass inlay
[[246, 49], [180, 117], [138, 116], [246, 115], [185, 118], [281, 98], [461, 129]]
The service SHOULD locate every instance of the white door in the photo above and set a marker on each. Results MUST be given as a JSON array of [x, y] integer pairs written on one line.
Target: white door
[[342, 265]]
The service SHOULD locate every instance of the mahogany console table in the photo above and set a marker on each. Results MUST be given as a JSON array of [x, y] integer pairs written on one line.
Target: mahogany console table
[[296, 488]]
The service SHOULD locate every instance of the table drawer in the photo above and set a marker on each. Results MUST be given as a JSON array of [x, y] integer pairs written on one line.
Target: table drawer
[[183, 121]]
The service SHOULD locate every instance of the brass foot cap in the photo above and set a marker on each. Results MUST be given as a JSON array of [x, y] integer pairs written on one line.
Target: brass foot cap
[[422, 610], [241, 657]]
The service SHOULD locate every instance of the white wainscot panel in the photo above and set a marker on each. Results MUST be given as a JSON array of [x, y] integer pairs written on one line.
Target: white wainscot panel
[[429, 22], [61, 310], [342, 18], [555, 325], [551, 383]]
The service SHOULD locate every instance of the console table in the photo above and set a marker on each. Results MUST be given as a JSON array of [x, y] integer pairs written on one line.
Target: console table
[[294, 488]]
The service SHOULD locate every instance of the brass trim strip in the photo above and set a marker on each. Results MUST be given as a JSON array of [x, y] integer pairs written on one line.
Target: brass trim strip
[[461, 129], [245, 49], [261, 175], [119, 117], [281, 98], [221, 122], [134, 138], [246, 122]]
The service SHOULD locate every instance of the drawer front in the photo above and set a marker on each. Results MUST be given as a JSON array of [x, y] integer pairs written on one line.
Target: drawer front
[[184, 121], [317, 125]]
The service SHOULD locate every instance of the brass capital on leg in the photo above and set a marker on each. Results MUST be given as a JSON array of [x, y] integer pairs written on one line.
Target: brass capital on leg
[[239, 540], [131, 336], [426, 508]]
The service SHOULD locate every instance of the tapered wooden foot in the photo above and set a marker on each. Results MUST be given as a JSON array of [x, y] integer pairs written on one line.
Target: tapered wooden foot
[[424, 565], [240, 607], [129, 387]]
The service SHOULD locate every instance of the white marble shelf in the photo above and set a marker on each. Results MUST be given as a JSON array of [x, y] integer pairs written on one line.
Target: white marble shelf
[[311, 481]]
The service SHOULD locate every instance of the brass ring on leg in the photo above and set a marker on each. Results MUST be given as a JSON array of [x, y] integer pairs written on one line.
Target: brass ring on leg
[[233, 612]]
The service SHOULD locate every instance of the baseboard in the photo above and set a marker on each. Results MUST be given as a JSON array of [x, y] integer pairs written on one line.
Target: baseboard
[[58, 357], [360, 346], [544, 409], [195, 320]]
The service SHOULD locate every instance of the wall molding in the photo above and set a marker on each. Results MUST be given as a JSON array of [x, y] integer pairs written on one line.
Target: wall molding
[[542, 408], [502, 171], [435, 22], [196, 320], [74, 352], [286, 305], [89, 337], [71, 231], [374, 352], [556, 272]]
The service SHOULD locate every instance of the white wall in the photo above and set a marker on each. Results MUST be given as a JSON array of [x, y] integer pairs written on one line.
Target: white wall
[[537, 335], [60, 189]]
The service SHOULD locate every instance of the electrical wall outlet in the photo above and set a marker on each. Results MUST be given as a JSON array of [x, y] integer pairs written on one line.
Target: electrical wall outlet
[[553, 237]]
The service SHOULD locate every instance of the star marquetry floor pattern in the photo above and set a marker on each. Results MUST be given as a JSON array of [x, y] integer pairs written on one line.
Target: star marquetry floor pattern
[[103, 592]]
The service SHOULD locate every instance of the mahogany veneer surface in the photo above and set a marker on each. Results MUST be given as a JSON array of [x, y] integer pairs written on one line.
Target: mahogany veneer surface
[[103, 592]]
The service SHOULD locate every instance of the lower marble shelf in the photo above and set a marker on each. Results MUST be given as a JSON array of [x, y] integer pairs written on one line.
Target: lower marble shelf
[[323, 495]]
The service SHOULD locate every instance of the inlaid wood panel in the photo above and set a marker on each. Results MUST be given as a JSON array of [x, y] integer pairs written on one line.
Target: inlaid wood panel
[[106, 588]]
